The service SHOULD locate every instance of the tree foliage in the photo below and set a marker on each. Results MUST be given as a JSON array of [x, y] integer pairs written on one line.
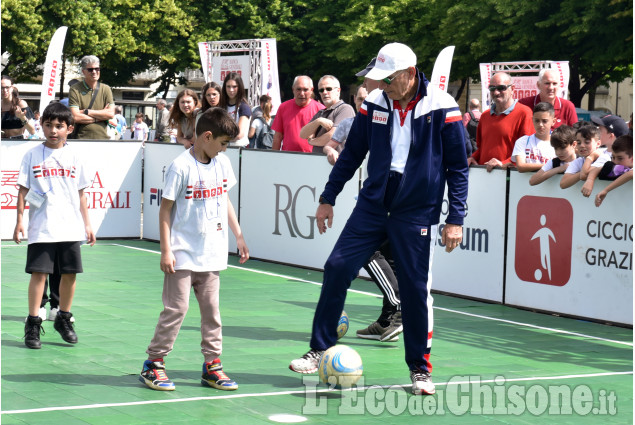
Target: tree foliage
[[320, 37]]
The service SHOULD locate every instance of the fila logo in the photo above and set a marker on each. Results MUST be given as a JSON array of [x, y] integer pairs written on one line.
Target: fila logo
[[380, 117], [424, 232], [544, 231]]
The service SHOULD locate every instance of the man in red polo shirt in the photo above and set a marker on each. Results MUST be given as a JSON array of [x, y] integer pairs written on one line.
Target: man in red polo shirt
[[500, 126], [548, 85], [294, 114]]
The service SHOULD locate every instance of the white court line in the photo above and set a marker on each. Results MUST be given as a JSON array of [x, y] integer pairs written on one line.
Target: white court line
[[527, 325], [234, 396]]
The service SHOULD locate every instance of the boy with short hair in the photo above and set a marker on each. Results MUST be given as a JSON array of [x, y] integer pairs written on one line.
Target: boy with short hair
[[194, 216], [52, 180], [564, 144], [139, 128], [531, 152], [611, 127], [619, 169], [588, 138]]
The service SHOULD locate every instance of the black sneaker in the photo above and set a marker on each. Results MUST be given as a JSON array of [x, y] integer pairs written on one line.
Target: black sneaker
[[393, 329], [64, 326], [32, 330]]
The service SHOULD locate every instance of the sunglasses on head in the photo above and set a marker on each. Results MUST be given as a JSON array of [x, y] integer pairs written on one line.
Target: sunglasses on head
[[502, 87], [326, 88], [93, 69]]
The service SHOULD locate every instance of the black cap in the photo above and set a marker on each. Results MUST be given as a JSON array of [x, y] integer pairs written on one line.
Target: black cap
[[613, 124], [364, 71]]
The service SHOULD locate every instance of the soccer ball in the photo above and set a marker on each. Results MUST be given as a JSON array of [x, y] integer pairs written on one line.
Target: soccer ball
[[340, 366], [342, 325]]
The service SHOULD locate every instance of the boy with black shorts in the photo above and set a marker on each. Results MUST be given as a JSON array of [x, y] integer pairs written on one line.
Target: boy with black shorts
[[52, 180], [194, 216]]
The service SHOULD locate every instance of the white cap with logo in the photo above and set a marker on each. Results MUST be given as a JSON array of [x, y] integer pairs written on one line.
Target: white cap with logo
[[391, 58]]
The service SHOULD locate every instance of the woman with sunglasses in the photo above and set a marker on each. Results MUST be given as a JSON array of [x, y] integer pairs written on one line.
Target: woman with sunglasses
[[182, 117], [16, 114], [233, 100]]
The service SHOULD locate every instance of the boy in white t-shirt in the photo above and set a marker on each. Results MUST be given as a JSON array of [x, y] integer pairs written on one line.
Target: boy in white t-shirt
[[611, 127], [588, 138], [531, 152], [194, 217], [564, 144], [139, 128], [52, 180]]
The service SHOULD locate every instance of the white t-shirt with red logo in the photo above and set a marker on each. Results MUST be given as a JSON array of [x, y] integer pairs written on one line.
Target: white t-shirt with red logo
[[198, 226], [58, 175]]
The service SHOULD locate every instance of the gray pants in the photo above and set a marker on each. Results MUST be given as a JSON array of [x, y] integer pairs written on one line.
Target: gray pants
[[176, 299]]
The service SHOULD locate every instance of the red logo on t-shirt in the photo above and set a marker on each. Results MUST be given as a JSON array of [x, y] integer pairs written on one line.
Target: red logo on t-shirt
[[544, 229]]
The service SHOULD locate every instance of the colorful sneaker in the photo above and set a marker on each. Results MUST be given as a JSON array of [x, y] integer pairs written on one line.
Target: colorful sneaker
[[394, 328], [307, 363], [32, 330], [153, 375], [421, 383], [64, 326], [375, 331], [214, 376]]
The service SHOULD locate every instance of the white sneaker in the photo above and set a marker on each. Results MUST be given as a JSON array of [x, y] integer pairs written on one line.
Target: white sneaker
[[42, 313], [421, 383], [53, 313], [307, 363]]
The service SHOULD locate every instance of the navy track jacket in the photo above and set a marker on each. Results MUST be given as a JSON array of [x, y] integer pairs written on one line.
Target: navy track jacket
[[437, 154]]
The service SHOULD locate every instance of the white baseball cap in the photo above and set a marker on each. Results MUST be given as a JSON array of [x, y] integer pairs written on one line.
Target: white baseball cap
[[391, 58]]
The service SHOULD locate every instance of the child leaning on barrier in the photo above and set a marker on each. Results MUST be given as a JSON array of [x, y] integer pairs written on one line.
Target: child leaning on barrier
[[611, 127], [588, 138], [619, 169], [564, 144], [52, 180], [194, 217], [531, 152]]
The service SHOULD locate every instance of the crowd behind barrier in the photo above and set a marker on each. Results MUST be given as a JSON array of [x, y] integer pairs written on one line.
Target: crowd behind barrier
[[553, 251]]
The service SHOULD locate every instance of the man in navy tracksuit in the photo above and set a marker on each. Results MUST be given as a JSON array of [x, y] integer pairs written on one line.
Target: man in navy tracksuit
[[414, 136]]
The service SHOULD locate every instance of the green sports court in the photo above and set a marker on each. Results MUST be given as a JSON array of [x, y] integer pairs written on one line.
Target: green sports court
[[493, 364]]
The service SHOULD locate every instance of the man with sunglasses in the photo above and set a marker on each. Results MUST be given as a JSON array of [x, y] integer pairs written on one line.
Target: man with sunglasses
[[91, 102], [500, 126], [292, 115], [319, 130], [414, 139]]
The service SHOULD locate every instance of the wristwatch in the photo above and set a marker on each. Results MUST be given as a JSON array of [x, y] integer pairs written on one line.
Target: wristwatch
[[323, 200], [85, 111]]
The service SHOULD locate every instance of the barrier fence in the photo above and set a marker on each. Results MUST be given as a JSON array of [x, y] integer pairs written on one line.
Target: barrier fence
[[537, 247]]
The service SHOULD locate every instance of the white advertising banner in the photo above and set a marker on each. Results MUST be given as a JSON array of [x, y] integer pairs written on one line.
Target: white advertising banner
[[206, 64], [113, 198], [565, 255], [158, 157], [278, 199], [223, 65], [486, 75], [441, 71], [475, 269], [269, 71], [52, 67]]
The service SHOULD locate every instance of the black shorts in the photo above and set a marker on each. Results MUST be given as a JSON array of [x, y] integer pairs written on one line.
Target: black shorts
[[54, 257]]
